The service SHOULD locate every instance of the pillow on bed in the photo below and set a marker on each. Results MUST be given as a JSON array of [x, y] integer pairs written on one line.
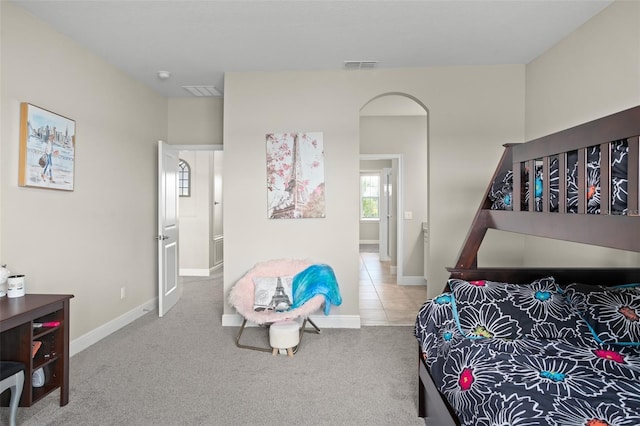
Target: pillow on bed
[[511, 311], [272, 293], [501, 191], [592, 183], [611, 313], [619, 179], [538, 187]]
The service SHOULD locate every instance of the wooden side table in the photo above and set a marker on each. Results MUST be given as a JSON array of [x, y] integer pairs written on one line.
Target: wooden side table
[[42, 321]]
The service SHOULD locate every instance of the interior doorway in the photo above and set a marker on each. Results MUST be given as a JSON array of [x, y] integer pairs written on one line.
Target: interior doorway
[[395, 126], [394, 129], [201, 238], [383, 231]]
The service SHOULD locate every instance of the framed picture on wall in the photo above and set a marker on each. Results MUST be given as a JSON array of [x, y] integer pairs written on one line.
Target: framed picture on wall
[[47, 149], [295, 175]]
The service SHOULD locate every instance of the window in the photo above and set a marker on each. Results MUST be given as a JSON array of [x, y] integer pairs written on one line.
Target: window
[[370, 196], [184, 179]]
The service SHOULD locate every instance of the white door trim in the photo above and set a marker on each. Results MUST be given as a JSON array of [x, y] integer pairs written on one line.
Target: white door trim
[[385, 214]]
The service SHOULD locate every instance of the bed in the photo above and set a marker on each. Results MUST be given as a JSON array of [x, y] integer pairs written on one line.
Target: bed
[[543, 346]]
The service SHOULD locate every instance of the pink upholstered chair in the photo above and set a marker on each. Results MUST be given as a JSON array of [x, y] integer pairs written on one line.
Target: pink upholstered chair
[[242, 297]]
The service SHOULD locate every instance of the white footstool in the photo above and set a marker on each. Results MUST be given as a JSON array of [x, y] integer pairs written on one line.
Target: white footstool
[[284, 335]]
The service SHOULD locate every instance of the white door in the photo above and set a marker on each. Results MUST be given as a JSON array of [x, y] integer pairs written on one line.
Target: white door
[[169, 288], [385, 214]]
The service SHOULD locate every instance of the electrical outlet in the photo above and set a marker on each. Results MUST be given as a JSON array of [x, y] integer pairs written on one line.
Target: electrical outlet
[[123, 292], [408, 215]]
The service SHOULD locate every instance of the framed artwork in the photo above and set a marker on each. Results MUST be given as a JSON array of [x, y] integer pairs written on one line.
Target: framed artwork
[[47, 149], [295, 175]]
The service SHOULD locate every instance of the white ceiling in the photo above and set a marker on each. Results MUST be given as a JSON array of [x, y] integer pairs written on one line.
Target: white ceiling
[[197, 41]]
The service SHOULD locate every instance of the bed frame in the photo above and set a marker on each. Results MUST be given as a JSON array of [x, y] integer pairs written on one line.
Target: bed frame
[[604, 229]]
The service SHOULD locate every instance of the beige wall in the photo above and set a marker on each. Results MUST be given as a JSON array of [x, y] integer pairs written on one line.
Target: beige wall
[[472, 111], [369, 232], [594, 72], [195, 121], [100, 237]]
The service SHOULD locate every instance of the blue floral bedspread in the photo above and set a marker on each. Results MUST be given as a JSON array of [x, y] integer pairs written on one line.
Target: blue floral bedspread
[[503, 354]]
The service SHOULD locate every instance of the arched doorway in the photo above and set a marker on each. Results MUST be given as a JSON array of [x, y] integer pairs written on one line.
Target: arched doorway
[[394, 145]]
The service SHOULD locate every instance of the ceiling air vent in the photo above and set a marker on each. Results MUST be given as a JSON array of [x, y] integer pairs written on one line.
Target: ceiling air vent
[[360, 65], [202, 90]]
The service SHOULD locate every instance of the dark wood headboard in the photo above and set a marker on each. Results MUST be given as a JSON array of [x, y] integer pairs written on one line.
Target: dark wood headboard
[[618, 231]]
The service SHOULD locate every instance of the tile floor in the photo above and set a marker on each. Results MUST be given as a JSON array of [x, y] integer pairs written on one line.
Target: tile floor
[[382, 300]]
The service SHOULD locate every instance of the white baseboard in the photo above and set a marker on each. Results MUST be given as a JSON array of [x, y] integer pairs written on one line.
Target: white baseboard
[[94, 336], [412, 280], [336, 321], [186, 272], [369, 241], [194, 272], [322, 321]]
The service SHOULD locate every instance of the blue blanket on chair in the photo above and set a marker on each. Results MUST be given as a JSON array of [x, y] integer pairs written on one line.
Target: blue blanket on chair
[[316, 279]]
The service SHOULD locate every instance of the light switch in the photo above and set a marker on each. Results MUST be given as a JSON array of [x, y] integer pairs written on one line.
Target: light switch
[[408, 215]]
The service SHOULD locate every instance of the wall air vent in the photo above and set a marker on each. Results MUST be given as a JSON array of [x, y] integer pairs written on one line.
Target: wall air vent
[[202, 90], [360, 65]]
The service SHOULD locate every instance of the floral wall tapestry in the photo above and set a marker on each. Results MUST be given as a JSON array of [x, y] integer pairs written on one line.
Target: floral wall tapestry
[[295, 175]]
